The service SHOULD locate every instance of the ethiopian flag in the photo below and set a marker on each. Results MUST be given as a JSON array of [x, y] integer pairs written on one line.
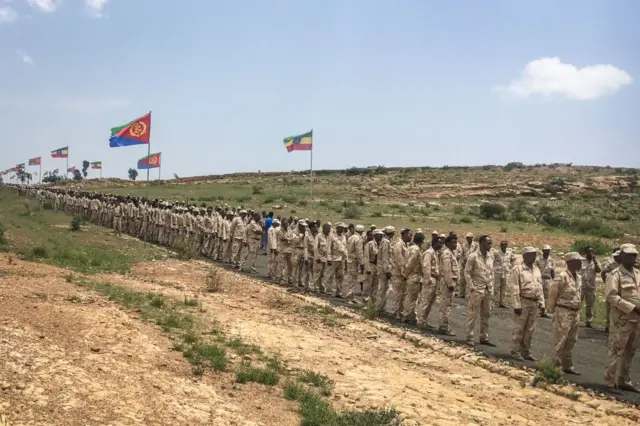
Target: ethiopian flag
[[60, 152], [299, 143], [34, 161], [136, 132], [20, 166], [96, 165], [149, 162]]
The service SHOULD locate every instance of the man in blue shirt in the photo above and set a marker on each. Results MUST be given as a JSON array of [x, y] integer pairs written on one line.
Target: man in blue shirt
[[267, 224]]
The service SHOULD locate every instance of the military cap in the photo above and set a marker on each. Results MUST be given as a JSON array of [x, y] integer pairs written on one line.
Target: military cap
[[546, 247], [435, 233], [328, 223], [302, 222], [442, 236], [377, 232], [628, 249], [359, 228], [616, 253], [470, 234], [389, 230], [276, 221], [340, 225], [420, 231], [243, 211], [574, 255], [528, 250]]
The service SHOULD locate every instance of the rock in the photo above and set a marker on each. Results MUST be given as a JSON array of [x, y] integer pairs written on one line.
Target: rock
[[5, 385], [340, 372], [95, 349]]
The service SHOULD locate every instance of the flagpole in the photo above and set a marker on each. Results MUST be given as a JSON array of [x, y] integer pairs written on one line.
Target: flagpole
[[40, 172], [149, 144], [311, 189], [67, 174]]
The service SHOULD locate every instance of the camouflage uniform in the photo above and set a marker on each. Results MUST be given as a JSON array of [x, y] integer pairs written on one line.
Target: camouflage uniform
[[285, 253], [370, 287], [299, 256], [622, 291], [334, 275], [254, 237], [564, 303], [384, 270], [272, 242], [321, 254], [546, 266], [309, 270], [355, 261], [608, 269], [479, 275], [397, 287], [449, 273], [526, 294], [430, 274], [588, 272], [502, 264], [238, 232], [413, 275]]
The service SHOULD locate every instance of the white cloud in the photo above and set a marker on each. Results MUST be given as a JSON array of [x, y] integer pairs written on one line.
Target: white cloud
[[43, 5], [550, 76], [25, 58], [95, 7], [7, 15]]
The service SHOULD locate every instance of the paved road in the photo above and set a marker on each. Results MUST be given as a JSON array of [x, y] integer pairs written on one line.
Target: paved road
[[589, 354]]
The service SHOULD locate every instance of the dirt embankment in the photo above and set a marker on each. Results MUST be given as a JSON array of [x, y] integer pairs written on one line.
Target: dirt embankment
[[69, 356]]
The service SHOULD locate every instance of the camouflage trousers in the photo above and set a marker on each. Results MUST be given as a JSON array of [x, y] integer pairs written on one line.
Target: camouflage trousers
[[564, 330], [410, 299], [117, 225], [236, 251], [273, 265], [426, 298], [370, 285], [333, 278], [298, 266], [309, 273], [480, 304], [319, 271], [589, 296], [285, 264], [352, 279], [251, 254], [395, 295], [462, 282], [446, 300], [523, 326], [499, 289], [383, 289], [624, 336]]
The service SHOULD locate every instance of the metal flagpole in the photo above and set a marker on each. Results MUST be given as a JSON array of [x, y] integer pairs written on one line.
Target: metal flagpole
[[311, 171], [67, 174], [40, 172], [149, 144]]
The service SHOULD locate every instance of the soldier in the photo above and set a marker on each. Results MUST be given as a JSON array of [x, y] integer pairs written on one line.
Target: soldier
[[397, 287], [547, 269], [590, 268], [527, 296], [337, 254], [479, 276], [412, 272], [622, 291], [370, 288], [321, 254], [449, 273], [299, 250], [254, 237], [355, 261], [430, 275], [272, 241], [238, 233], [227, 239], [309, 270], [609, 268], [117, 218], [286, 237], [564, 304], [384, 265], [503, 261]]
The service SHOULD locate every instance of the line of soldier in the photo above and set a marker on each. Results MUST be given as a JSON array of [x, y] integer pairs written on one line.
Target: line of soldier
[[401, 276]]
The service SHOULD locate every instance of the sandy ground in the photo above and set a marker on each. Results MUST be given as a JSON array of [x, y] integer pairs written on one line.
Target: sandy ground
[[71, 357]]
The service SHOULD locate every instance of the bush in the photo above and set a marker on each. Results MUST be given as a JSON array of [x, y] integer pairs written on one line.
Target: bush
[[513, 165], [360, 202], [269, 200], [458, 209], [556, 221], [492, 211], [352, 212], [256, 190], [2, 233], [243, 199], [548, 372], [39, 252], [599, 246], [504, 228], [76, 223], [213, 281], [466, 219], [290, 199], [594, 227], [552, 188]]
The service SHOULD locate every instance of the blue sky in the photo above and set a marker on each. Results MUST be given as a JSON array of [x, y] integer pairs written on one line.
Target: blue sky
[[397, 83]]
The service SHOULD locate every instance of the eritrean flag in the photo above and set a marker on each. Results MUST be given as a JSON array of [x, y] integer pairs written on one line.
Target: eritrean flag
[[60, 153], [34, 161], [20, 166], [149, 162], [71, 170], [96, 165], [299, 143], [136, 132]]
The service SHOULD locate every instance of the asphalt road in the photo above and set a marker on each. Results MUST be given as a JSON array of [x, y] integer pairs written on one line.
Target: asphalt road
[[589, 354]]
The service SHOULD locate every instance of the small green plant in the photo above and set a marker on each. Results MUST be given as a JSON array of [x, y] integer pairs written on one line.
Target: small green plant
[[190, 302], [241, 348], [39, 252], [268, 200], [458, 210], [68, 277], [372, 309], [352, 211], [76, 223], [599, 247], [503, 228], [492, 211], [377, 213], [213, 355], [157, 301], [360, 201], [257, 190], [266, 376], [213, 281], [466, 219], [320, 381], [548, 372]]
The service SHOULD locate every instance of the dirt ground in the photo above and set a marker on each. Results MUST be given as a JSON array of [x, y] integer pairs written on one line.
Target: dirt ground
[[71, 357]]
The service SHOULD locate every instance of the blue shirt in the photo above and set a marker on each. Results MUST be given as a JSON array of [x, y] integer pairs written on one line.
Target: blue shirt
[[267, 224]]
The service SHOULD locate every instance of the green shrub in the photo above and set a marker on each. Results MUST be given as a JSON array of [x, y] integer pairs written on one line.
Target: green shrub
[[39, 252], [268, 200], [556, 221], [513, 165], [290, 199], [376, 214], [76, 223], [352, 212], [466, 219], [599, 247], [594, 227], [548, 372], [257, 190], [265, 376], [458, 210], [303, 203], [504, 228], [243, 199], [552, 188], [492, 211], [2, 230]]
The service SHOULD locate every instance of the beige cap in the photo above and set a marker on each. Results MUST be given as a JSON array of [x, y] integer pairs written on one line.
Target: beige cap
[[420, 231], [574, 255], [442, 236], [359, 228], [340, 225], [469, 234], [276, 221], [616, 253], [528, 250], [546, 247], [435, 233], [389, 230], [377, 232], [302, 222], [628, 249]]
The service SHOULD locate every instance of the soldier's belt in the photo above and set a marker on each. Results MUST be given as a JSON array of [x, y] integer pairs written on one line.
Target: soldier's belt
[[571, 309], [529, 298]]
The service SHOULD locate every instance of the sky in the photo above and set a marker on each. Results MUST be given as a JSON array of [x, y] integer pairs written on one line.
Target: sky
[[380, 82]]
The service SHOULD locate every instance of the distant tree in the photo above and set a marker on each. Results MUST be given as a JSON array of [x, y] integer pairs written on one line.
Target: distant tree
[[23, 176], [133, 174], [77, 175], [175, 176], [85, 167]]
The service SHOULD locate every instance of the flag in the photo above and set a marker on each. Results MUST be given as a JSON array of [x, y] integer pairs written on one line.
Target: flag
[[136, 132], [149, 162], [34, 161], [60, 153], [72, 170], [20, 166], [96, 165], [299, 143], [16, 169]]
